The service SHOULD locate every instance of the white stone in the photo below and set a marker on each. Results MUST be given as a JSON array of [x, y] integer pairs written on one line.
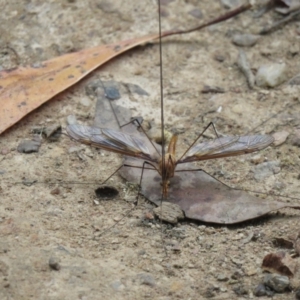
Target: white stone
[[271, 75]]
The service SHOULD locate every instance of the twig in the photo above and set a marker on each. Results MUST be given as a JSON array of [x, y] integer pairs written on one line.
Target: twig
[[280, 23], [219, 19]]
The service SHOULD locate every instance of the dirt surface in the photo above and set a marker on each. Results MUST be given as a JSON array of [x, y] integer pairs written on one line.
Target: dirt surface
[[137, 259]]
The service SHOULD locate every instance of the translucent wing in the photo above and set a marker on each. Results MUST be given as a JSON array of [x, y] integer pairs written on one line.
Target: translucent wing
[[227, 146], [111, 140]]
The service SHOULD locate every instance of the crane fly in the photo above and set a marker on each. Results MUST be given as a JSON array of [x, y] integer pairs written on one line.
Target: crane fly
[[133, 146], [165, 163]]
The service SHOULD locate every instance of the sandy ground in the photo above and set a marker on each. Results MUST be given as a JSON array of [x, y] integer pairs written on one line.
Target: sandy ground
[[61, 222]]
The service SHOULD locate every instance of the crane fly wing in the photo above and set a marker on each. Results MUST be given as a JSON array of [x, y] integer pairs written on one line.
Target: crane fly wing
[[208, 147], [227, 146], [125, 140], [111, 140]]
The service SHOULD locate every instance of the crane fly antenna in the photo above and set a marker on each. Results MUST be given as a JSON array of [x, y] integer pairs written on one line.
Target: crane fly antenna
[[161, 92]]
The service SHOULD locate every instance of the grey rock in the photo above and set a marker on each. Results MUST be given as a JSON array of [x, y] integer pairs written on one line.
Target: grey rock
[[296, 138], [295, 80], [54, 263], [117, 285], [212, 89], [276, 282], [71, 120], [146, 279], [240, 289], [196, 13], [222, 277], [136, 89], [85, 102], [53, 132], [271, 75], [232, 3], [266, 169], [262, 290], [280, 137], [245, 40], [111, 89], [169, 212], [75, 149], [29, 146]]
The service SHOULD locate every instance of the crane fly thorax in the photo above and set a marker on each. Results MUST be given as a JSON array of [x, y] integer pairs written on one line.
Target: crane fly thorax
[[167, 169], [167, 165]]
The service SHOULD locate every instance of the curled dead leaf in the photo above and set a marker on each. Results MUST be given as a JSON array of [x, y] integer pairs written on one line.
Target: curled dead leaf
[[280, 263]]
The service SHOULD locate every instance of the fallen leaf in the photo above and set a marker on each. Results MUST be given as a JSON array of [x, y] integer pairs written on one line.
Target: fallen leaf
[[200, 196], [283, 243], [280, 263], [20, 89]]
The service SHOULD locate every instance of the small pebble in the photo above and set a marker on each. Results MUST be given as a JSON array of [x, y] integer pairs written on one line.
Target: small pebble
[[141, 252], [117, 285], [276, 282], [212, 89], [296, 138], [266, 169], [257, 159], [232, 3], [146, 279], [29, 146], [136, 89], [85, 101], [196, 13], [294, 49], [222, 277], [96, 202], [169, 212], [55, 191], [280, 137], [71, 120], [53, 132], [54, 263], [271, 75], [111, 89], [262, 290], [219, 57], [75, 149], [240, 289], [295, 80], [245, 40], [4, 151]]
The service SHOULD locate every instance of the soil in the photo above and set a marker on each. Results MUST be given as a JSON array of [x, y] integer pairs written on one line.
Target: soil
[[52, 246]]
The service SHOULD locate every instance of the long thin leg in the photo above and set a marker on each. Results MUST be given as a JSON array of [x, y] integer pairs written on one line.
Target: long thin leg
[[234, 188], [137, 197], [201, 134]]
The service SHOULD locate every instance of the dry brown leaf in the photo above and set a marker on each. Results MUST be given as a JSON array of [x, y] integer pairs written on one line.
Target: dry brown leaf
[[199, 195], [280, 263], [24, 89]]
